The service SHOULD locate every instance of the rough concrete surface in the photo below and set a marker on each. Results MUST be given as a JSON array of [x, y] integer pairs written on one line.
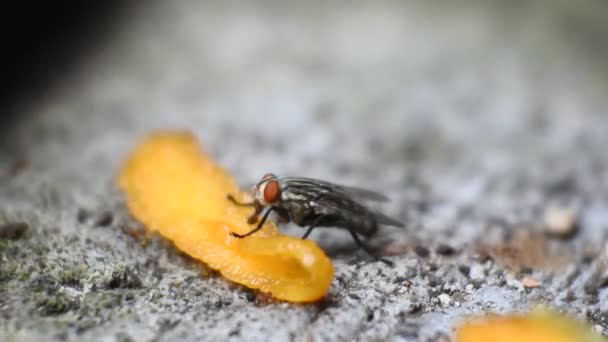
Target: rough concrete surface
[[475, 118]]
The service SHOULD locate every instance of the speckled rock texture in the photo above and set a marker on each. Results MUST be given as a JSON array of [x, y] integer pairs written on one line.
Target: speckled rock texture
[[474, 118]]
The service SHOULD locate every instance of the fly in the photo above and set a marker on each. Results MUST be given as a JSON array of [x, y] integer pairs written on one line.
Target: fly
[[314, 203]]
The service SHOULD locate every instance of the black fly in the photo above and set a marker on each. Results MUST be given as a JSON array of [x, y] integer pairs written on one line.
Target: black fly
[[314, 203]]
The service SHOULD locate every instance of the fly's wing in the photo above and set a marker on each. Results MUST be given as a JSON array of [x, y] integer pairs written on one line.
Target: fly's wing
[[386, 220], [337, 204], [360, 193]]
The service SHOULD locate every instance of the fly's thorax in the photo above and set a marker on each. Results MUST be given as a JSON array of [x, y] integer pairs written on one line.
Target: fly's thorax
[[300, 211], [302, 190], [289, 196]]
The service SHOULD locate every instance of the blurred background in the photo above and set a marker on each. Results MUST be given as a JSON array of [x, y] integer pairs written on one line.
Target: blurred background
[[474, 116], [427, 100]]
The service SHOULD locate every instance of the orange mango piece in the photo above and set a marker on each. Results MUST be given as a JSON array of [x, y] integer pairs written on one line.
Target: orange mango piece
[[538, 326], [177, 190]]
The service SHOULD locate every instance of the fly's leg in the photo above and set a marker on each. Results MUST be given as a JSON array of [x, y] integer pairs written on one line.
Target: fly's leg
[[240, 204], [312, 226], [368, 250], [260, 224], [258, 208]]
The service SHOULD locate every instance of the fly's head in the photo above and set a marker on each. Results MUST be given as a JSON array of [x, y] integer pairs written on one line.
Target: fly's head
[[267, 192]]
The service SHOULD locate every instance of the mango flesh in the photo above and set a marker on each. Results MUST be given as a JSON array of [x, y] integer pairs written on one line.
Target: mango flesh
[[537, 326], [177, 190]]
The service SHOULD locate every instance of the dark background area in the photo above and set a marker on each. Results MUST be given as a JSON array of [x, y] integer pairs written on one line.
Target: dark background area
[[46, 42]]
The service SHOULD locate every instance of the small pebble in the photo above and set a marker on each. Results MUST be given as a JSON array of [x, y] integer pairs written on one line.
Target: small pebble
[[399, 280], [513, 283], [589, 254], [445, 299], [465, 270], [599, 277], [530, 282], [445, 250], [354, 296], [104, 220], [13, 230], [82, 215], [18, 166], [477, 272], [435, 281], [421, 251], [560, 222], [598, 329], [569, 297], [526, 270]]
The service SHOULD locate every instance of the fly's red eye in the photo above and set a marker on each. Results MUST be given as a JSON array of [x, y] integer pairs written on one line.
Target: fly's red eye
[[271, 191], [269, 175]]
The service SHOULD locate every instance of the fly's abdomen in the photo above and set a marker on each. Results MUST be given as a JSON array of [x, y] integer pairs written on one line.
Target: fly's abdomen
[[365, 225]]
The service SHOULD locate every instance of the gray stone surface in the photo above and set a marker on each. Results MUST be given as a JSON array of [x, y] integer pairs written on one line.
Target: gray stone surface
[[474, 118]]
